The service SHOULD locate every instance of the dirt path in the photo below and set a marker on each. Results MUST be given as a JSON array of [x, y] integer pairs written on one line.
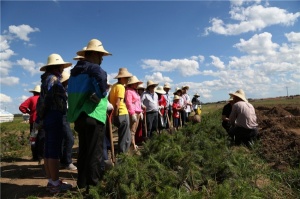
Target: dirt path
[[23, 178]]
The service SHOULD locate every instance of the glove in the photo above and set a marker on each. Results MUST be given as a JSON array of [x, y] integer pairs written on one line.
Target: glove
[[141, 116], [133, 118], [110, 107]]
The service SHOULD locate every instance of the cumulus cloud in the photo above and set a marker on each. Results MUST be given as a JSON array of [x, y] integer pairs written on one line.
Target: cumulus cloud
[[217, 62], [9, 80], [293, 36], [4, 98], [30, 66], [251, 18], [158, 77], [22, 31], [186, 67]]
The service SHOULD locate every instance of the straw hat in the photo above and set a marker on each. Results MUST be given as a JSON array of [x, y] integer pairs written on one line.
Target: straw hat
[[64, 76], [177, 89], [151, 83], [197, 95], [123, 72], [160, 90], [230, 99], [141, 86], [240, 94], [167, 85], [185, 87], [55, 59], [94, 45], [133, 80], [79, 57], [37, 89], [176, 97]]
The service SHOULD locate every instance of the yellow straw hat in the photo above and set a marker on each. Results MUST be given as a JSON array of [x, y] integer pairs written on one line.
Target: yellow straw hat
[[176, 97], [78, 57], [176, 90], [55, 59], [133, 80], [94, 45], [167, 85], [123, 72]]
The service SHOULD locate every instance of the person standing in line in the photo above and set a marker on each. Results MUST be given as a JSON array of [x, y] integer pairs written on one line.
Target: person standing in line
[[87, 100], [121, 116], [176, 111], [134, 106], [196, 102], [150, 101], [68, 138], [29, 107], [141, 133], [225, 114], [178, 92], [187, 104], [162, 105], [243, 119], [167, 96], [51, 108]]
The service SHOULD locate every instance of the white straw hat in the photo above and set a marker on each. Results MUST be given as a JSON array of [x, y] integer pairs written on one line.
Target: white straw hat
[[37, 89], [177, 89], [160, 90], [55, 59], [123, 72], [240, 94], [151, 83], [64, 76], [197, 95], [94, 45], [133, 80], [185, 87], [78, 57], [176, 97], [141, 86], [167, 85]]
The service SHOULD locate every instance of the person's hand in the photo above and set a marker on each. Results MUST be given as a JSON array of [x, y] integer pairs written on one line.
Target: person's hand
[[143, 107], [110, 107], [133, 118], [141, 115]]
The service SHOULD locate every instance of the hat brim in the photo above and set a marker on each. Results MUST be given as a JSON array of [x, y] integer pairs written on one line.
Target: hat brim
[[65, 65], [152, 85], [122, 76], [34, 91], [82, 52], [197, 95], [239, 96], [139, 82], [160, 92]]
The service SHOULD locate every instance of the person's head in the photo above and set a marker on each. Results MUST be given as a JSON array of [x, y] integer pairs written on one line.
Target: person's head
[[167, 87], [151, 86], [239, 95], [196, 95], [123, 76], [55, 64], [140, 89], [160, 90], [176, 98], [133, 82], [178, 91], [94, 52], [185, 89], [36, 90]]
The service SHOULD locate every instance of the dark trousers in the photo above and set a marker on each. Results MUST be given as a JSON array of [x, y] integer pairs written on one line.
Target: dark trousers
[[242, 135], [91, 133], [183, 115], [37, 149], [152, 123], [67, 143]]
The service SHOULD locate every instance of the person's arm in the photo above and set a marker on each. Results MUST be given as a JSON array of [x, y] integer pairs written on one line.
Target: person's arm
[[24, 107], [233, 115], [129, 102]]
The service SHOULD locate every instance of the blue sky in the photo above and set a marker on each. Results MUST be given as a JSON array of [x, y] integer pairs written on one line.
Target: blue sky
[[215, 47]]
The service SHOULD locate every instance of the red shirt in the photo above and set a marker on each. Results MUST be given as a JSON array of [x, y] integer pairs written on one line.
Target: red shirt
[[29, 106], [162, 102], [175, 111]]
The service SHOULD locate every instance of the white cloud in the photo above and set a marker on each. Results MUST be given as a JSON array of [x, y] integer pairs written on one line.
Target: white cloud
[[186, 67], [30, 66], [9, 80], [252, 18], [293, 36], [4, 98], [5, 67], [217, 62], [158, 77], [22, 31]]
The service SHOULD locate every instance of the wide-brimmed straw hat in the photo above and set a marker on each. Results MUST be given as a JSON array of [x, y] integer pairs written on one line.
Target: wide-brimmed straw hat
[[167, 85], [78, 57], [37, 89], [185, 87], [94, 45], [240, 94], [176, 97], [55, 59], [160, 90], [123, 72], [197, 95], [177, 89], [133, 80], [151, 83], [141, 86], [64, 76]]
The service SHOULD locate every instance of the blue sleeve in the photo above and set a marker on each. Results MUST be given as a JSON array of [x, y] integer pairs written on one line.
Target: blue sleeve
[[99, 80]]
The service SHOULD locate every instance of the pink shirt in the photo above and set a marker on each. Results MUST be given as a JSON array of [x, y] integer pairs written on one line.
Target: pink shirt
[[243, 115], [133, 101]]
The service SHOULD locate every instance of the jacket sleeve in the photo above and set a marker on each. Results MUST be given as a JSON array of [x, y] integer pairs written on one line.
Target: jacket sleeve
[[24, 107]]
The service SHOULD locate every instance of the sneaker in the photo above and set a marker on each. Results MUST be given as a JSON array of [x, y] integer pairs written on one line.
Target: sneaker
[[61, 187], [50, 185], [71, 167]]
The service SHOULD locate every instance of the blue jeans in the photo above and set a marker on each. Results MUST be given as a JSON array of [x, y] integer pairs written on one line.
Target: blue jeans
[[67, 143]]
